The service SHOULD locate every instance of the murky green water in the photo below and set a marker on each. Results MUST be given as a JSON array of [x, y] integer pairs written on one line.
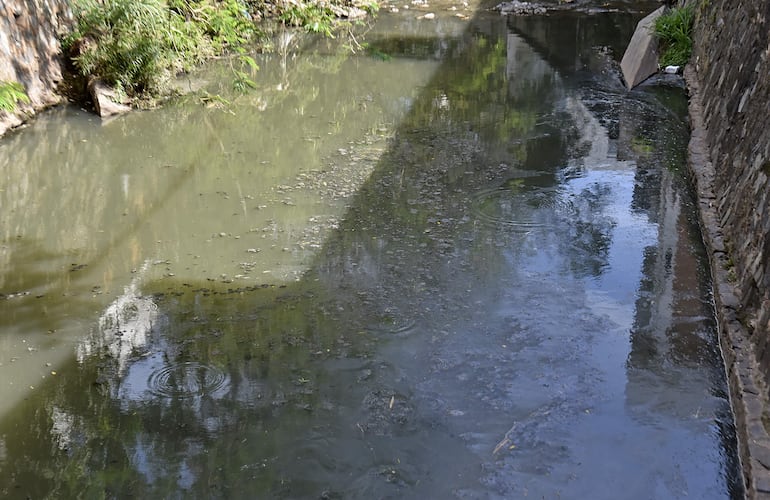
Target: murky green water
[[461, 262]]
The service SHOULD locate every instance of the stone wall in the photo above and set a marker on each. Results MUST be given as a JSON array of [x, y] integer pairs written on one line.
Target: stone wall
[[732, 60], [729, 80], [29, 51]]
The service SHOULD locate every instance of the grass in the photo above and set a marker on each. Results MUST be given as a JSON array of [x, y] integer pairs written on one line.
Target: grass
[[674, 32]]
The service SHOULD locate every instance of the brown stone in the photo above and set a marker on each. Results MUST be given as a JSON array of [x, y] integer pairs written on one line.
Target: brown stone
[[106, 100]]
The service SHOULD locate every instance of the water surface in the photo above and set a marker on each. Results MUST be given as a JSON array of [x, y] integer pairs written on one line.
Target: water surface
[[457, 262]]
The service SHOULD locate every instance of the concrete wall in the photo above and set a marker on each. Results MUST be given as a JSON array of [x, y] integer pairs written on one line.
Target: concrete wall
[[729, 80], [29, 50]]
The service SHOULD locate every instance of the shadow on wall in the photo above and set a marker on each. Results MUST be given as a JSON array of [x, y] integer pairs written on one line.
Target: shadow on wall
[[29, 50]]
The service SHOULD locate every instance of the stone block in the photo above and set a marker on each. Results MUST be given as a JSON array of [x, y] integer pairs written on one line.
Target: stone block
[[762, 454], [106, 101], [640, 60]]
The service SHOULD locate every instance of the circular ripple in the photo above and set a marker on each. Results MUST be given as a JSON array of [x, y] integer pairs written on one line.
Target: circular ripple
[[520, 209], [187, 379]]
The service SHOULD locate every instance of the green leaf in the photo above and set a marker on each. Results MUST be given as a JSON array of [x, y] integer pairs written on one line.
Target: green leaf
[[11, 93]]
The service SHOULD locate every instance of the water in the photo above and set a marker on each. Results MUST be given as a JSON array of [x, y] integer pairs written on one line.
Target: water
[[459, 262]]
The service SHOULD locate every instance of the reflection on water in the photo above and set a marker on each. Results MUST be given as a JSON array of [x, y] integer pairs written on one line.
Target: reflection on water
[[464, 270], [242, 195], [123, 326]]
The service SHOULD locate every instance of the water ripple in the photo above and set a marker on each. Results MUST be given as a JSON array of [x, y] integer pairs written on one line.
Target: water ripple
[[521, 209], [187, 379]]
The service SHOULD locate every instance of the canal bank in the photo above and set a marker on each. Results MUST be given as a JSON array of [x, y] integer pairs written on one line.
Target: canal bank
[[729, 158]]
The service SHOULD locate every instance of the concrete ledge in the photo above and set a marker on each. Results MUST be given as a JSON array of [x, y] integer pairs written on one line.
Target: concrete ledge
[[748, 391]]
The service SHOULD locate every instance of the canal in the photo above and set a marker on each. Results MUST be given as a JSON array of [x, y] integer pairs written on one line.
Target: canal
[[449, 257]]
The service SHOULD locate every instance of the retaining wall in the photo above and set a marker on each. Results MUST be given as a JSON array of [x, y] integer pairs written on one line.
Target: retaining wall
[[729, 81], [29, 51]]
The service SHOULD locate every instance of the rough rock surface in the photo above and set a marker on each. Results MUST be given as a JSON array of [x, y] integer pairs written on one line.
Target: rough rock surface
[[30, 53]]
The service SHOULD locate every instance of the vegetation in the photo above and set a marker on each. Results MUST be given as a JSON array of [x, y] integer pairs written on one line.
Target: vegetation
[[318, 16], [674, 32], [315, 18], [11, 93], [137, 45]]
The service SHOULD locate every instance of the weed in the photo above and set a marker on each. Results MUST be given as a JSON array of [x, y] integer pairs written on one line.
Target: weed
[[375, 52], [642, 146], [370, 6], [674, 32], [242, 81], [136, 45], [132, 45], [11, 94], [313, 18], [226, 23]]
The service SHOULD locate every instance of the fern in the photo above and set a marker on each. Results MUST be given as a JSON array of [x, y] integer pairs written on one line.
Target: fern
[[11, 93]]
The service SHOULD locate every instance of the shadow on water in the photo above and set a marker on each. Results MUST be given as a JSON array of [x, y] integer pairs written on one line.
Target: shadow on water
[[515, 303]]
